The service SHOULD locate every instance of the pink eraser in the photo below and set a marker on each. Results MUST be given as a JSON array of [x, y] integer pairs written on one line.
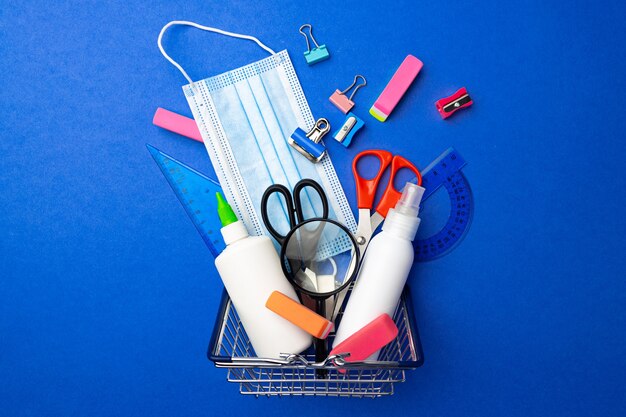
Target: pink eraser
[[367, 341], [396, 88], [177, 123]]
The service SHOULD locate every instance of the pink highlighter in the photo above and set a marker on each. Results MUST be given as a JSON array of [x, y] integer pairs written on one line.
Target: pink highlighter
[[367, 341], [396, 88]]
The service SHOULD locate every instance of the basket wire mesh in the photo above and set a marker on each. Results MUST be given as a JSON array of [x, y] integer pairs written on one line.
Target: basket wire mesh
[[296, 374]]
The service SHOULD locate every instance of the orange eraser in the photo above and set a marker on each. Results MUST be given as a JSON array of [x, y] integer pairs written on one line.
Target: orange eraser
[[306, 319]]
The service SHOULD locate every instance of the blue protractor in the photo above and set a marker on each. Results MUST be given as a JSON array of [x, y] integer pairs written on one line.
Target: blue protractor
[[446, 171], [196, 192]]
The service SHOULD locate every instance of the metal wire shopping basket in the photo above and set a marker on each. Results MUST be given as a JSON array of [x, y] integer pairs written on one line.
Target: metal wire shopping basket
[[299, 374]]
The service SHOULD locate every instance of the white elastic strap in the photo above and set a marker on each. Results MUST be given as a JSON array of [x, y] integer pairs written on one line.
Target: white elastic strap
[[209, 29]]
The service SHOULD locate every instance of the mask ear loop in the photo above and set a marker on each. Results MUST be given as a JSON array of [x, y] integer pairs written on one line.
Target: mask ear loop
[[208, 29]]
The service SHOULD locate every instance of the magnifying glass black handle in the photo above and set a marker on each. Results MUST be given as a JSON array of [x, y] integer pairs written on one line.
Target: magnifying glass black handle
[[321, 346]]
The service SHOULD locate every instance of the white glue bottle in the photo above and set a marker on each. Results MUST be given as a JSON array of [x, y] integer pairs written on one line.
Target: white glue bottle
[[385, 267], [251, 271]]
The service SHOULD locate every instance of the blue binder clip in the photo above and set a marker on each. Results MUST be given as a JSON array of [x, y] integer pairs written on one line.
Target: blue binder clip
[[350, 126], [308, 144], [317, 54]]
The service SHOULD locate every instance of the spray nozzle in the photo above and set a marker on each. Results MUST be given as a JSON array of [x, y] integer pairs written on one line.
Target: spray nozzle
[[409, 203]]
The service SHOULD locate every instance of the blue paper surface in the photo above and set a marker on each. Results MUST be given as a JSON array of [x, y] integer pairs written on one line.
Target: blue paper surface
[[108, 294]]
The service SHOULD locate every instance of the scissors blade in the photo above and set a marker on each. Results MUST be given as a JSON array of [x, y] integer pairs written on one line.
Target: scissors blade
[[363, 230], [375, 221]]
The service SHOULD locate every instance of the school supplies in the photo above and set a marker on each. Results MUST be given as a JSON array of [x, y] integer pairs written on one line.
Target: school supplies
[[396, 88], [368, 340], [346, 132], [317, 54], [177, 123], [343, 102], [308, 143], [390, 256], [251, 272], [311, 265], [448, 105], [296, 313], [230, 347], [245, 117]]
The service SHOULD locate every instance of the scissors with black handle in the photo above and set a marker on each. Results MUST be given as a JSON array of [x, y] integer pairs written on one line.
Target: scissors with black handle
[[294, 204]]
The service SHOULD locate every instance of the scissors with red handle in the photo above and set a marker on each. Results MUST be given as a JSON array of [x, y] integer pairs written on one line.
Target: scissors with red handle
[[366, 192]]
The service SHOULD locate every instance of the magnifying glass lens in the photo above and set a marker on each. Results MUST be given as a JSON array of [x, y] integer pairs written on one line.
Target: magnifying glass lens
[[319, 257]]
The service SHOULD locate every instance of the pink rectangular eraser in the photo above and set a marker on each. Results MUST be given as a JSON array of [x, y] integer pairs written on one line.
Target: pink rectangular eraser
[[396, 88], [367, 341], [177, 123]]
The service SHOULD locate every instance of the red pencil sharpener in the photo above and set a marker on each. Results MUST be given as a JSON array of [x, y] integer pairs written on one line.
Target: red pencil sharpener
[[448, 105]]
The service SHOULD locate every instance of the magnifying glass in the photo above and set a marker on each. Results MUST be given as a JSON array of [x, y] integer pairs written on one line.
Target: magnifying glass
[[320, 258]]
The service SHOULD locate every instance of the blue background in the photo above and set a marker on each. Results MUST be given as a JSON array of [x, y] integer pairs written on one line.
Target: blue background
[[108, 295]]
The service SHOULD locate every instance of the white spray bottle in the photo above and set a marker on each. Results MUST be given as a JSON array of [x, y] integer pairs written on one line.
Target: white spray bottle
[[251, 271], [385, 267]]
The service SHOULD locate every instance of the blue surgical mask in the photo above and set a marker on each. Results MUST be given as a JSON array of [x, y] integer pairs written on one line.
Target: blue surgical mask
[[245, 117]]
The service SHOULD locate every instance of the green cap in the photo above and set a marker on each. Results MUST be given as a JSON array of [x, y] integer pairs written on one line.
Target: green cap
[[225, 211]]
